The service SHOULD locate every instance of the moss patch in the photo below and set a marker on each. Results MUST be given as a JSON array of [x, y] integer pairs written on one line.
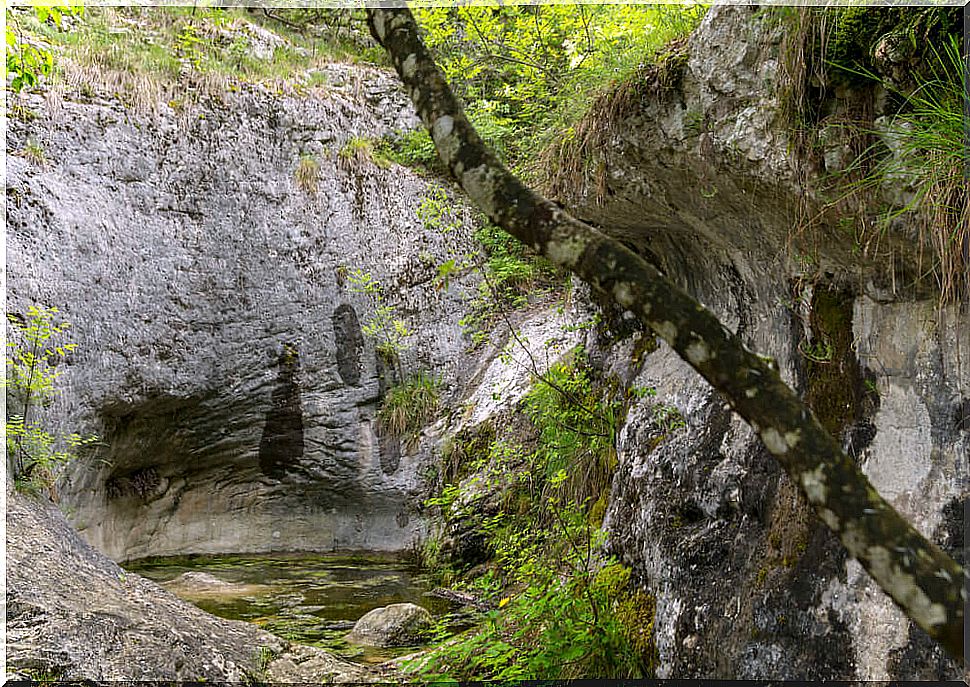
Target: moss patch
[[834, 380]]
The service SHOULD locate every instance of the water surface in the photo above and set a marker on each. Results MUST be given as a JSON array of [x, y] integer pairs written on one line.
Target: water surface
[[310, 598]]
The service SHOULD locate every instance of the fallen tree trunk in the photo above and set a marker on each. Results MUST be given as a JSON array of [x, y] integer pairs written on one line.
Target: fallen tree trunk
[[926, 583]]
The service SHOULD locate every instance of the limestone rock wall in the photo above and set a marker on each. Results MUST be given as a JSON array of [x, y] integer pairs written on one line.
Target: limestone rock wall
[[220, 354], [699, 176]]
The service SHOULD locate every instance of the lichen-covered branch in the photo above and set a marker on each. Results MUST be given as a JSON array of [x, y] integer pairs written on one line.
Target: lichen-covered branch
[[926, 583]]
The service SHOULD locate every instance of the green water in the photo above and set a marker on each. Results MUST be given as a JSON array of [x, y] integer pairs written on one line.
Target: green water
[[309, 598]]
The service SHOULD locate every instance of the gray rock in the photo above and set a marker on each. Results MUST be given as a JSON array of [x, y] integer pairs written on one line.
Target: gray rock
[[73, 613], [220, 354], [395, 625]]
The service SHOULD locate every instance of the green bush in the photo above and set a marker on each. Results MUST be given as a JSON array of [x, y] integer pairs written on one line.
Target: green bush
[[35, 456], [560, 610], [566, 614], [576, 427]]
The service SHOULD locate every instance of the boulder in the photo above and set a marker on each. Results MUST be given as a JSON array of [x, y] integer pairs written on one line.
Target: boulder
[[394, 625], [74, 614]]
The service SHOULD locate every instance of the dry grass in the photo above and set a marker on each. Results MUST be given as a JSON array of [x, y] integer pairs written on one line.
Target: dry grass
[[943, 222], [928, 158], [575, 164], [33, 152], [307, 175]]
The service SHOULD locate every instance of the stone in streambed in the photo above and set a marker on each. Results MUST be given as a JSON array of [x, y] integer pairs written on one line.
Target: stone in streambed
[[198, 584], [395, 625]]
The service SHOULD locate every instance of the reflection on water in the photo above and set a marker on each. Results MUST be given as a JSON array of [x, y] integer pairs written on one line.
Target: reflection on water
[[308, 598]]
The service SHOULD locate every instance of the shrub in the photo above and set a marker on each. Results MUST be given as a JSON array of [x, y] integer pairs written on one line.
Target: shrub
[[36, 457], [576, 426]]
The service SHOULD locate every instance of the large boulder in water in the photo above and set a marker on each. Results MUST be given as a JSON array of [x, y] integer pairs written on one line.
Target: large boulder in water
[[394, 625]]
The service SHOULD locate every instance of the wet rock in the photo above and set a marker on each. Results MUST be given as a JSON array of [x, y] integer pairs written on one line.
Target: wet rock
[[194, 584], [395, 625]]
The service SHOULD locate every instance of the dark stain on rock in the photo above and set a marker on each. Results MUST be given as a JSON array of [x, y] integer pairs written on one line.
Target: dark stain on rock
[[142, 483], [350, 343], [858, 437], [834, 380], [961, 415], [281, 446], [390, 450]]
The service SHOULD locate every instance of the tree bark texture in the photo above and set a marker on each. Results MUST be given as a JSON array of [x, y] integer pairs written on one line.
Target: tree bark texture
[[926, 583]]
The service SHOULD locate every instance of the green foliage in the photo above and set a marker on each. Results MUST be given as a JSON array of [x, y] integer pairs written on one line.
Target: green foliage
[[409, 406], [526, 72], [36, 456], [411, 149], [510, 271], [909, 57], [389, 332], [189, 45], [560, 609], [667, 418], [263, 656], [576, 427], [566, 614], [27, 59], [511, 274], [928, 154]]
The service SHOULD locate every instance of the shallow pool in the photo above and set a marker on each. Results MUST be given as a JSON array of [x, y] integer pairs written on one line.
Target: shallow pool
[[308, 598]]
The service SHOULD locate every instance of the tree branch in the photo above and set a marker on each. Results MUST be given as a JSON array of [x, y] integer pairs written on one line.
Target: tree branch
[[926, 583]]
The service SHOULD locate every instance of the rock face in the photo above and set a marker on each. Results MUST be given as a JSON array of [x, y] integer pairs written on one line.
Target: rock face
[[74, 614], [221, 358], [394, 625], [698, 177], [220, 354]]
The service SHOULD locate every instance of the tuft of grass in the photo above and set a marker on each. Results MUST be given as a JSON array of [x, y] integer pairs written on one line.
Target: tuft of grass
[[923, 151], [409, 406], [307, 175], [918, 152], [572, 162], [34, 153], [358, 151]]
